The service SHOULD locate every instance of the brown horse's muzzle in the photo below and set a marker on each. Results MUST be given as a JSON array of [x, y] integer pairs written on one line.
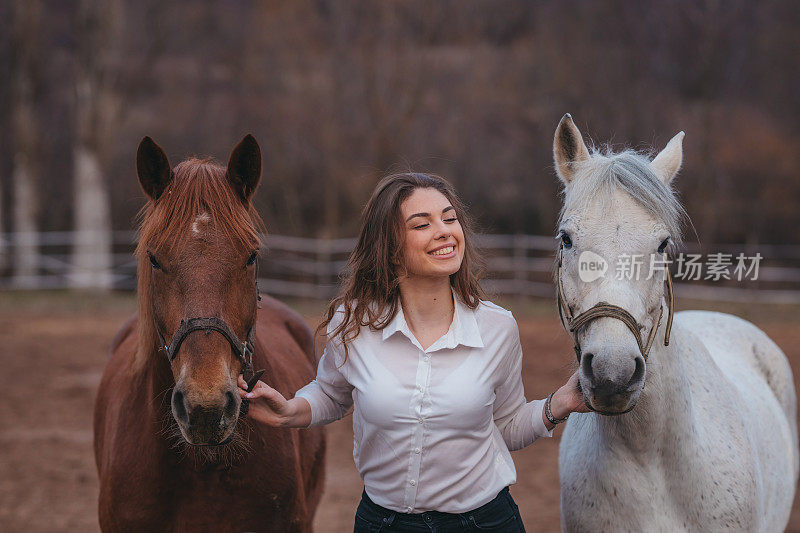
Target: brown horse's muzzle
[[209, 418], [205, 419], [205, 400]]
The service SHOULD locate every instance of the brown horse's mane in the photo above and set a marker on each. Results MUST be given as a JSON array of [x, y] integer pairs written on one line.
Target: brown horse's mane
[[198, 186]]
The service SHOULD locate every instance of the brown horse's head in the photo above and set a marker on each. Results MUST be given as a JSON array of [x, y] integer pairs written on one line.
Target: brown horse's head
[[197, 251]]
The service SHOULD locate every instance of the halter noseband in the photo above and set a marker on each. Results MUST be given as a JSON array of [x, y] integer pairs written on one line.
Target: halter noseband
[[243, 350], [607, 310]]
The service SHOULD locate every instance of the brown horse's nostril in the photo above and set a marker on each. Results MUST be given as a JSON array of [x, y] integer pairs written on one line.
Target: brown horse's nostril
[[179, 407], [231, 407]]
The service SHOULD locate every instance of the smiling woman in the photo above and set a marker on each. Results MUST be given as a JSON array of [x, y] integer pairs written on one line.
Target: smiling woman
[[431, 369]]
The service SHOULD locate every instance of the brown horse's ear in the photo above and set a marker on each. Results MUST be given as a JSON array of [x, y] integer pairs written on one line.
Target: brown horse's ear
[[244, 167], [153, 168], [568, 148]]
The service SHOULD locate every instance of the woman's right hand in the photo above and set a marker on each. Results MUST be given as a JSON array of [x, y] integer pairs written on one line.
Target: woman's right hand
[[266, 404]]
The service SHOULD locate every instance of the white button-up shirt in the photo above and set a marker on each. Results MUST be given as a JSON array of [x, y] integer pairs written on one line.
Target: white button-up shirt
[[432, 428]]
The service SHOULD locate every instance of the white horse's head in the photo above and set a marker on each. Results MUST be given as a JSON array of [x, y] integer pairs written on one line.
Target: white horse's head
[[619, 212]]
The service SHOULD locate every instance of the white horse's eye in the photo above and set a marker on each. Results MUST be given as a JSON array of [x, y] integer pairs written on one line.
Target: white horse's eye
[[663, 246], [566, 240]]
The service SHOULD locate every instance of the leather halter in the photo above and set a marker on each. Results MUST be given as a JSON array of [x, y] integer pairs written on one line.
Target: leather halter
[[243, 350], [605, 309]]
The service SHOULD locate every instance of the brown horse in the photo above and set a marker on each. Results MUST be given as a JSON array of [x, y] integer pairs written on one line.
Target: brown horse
[[173, 452]]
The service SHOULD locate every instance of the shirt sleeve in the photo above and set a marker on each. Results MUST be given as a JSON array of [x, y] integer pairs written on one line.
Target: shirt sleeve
[[520, 422], [330, 395]]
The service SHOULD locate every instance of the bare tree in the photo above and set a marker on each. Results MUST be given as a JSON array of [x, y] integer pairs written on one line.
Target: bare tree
[[3, 244], [95, 108], [24, 176]]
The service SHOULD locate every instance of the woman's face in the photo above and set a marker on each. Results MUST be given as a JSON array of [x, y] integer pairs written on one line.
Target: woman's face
[[434, 240]]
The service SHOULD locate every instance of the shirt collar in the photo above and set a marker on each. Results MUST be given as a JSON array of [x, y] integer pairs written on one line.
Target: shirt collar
[[398, 323], [465, 325], [463, 330]]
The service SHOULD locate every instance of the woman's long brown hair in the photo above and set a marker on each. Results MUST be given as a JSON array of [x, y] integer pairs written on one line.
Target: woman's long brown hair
[[370, 293]]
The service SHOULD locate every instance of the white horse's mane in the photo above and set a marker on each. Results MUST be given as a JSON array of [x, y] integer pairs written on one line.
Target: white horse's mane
[[605, 172]]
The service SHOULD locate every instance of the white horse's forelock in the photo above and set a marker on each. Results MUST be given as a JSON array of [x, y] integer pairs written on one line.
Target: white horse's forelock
[[605, 172]]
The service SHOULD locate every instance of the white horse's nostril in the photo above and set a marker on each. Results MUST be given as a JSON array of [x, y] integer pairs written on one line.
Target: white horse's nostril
[[586, 366], [638, 375]]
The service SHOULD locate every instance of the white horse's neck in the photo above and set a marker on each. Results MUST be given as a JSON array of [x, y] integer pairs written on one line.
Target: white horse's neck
[[664, 410]]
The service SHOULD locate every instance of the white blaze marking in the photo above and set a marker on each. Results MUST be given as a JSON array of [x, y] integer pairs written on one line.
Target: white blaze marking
[[203, 218]]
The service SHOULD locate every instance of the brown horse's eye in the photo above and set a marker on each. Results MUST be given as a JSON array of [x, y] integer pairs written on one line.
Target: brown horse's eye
[[153, 262], [252, 259]]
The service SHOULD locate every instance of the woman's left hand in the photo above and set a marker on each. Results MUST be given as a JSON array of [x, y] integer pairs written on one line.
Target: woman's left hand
[[568, 399]]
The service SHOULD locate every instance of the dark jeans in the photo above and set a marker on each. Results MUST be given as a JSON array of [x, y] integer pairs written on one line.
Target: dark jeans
[[500, 515]]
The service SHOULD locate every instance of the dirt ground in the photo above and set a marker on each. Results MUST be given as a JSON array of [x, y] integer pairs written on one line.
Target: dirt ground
[[53, 347]]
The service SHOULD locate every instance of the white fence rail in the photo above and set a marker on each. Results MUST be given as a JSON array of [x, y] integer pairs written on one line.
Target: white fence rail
[[517, 265]]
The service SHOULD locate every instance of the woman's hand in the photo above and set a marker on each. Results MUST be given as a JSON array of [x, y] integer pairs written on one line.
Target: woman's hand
[[568, 399], [269, 406]]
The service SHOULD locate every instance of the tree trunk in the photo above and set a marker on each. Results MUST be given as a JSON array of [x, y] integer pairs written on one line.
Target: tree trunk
[[26, 237], [3, 236], [92, 260], [95, 108], [24, 175]]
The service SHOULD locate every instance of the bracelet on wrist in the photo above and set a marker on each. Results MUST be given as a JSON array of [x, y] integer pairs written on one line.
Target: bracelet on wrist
[[549, 415]]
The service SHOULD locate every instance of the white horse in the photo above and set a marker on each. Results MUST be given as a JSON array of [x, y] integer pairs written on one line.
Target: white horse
[[712, 441]]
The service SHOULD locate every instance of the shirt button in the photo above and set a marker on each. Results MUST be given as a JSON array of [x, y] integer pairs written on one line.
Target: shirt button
[[427, 358], [412, 482], [421, 420], [409, 509], [417, 450]]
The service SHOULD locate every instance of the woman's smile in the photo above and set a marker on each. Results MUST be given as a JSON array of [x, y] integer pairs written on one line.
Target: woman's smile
[[443, 252]]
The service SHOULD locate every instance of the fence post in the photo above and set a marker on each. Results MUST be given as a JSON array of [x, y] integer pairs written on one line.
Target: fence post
[[520, 272], [323, 268]]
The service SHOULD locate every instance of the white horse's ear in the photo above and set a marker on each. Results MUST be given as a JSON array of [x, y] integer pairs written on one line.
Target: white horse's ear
[[668, 161], [568, 148]]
